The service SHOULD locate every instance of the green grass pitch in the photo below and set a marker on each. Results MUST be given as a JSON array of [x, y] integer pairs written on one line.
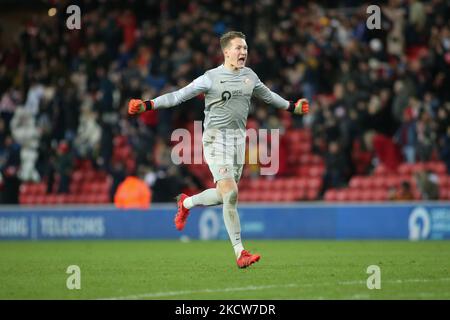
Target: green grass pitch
[[291, 269]]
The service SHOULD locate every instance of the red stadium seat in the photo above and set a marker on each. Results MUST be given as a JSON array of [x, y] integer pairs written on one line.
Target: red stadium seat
[[243, 184], [119, 141], [289, 184], [353, 194], [242, 196], [26, 199], [288, 196], [312, 194], [356, 182], [70, 199], [78, 199], [106, 186], [437, 167], [302, 171], [298, 135], [293, 159], [444, 193], [307, 159], [74, 187], [91, 198], [100, 176], [314, 183], [299, 194], [317, 160], [258, 196], [39, 188], [77, 176], [26, 188], [367, 183], [254, 196], [96, 187], [303, 147], [330, 195], [419, 166], [342, 195], [280, 196], [50, 199], [104, 198], [316, 170], [286, 121], [380, 195], [442, 181], [405, 168], [379, 181], [88, 176], [39, 199], [359, 195], [253, 184], [264, 184], [417, 195], [381, 170], [277, 184], [85, 165], [300, 183], [366, 195], [391, 181]]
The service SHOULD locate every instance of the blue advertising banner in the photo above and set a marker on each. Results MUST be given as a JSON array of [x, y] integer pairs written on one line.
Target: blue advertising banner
[[413, 221]]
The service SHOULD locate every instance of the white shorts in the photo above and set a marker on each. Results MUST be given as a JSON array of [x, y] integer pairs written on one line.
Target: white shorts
[[224, 161]]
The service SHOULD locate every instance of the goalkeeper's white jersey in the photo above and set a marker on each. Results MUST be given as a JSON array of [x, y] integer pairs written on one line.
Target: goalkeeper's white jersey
[[227, 99]]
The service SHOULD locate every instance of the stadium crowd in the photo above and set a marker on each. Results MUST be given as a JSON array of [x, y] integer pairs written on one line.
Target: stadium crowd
[[377, 96]]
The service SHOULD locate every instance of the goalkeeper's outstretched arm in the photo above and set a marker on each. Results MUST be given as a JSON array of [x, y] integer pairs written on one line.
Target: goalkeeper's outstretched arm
[[200, 85], [301, 106]]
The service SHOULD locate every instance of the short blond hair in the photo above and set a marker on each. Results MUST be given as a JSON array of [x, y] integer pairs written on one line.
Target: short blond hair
[[230, 35]]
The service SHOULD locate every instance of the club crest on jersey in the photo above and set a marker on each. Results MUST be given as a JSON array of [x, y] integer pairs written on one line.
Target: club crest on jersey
[[247, 81]]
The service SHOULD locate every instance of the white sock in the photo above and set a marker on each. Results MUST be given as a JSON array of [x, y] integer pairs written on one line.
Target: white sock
[[209, 197], [238, 249], [232, 222], [187, 203]]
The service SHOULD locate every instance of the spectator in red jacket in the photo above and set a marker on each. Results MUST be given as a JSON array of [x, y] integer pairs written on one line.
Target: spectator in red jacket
[[386, 151]]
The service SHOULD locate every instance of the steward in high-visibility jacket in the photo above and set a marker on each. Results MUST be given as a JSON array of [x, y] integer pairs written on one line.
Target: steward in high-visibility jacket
[[133, 193]]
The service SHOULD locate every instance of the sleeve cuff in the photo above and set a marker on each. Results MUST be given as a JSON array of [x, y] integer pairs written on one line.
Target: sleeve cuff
[[149, 105], [291, 107]]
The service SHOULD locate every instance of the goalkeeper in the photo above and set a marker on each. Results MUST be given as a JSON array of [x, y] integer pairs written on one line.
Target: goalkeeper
[[228, 90]]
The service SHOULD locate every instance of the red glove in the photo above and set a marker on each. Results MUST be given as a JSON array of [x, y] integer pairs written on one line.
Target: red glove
[[301, 106], [137, 106]]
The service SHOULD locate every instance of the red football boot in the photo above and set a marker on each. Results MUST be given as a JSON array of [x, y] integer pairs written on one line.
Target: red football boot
[[182, 213], [246, 259]]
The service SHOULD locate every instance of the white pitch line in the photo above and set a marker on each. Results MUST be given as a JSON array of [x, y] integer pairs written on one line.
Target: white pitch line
[[177, 293], [395, 281], [358, 297], [255, 288]]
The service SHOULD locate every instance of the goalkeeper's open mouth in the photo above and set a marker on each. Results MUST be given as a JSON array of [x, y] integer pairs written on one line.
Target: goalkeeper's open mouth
[[241, 60]]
